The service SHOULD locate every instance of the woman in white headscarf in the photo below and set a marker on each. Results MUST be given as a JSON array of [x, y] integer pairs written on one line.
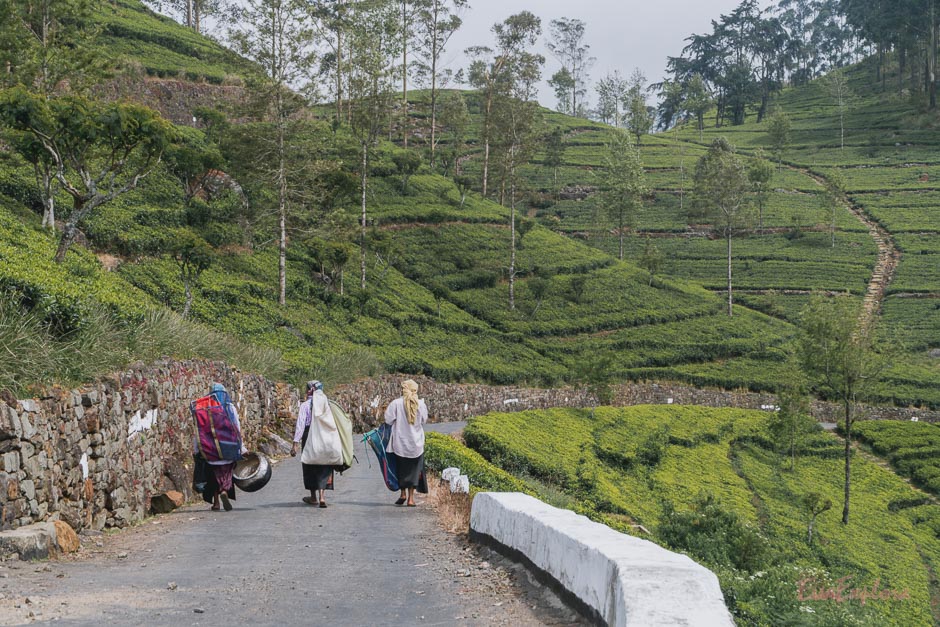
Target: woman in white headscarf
[[407, 416], [318, 437]]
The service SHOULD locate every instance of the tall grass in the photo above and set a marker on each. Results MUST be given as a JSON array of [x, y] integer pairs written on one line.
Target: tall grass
[[33, 355]]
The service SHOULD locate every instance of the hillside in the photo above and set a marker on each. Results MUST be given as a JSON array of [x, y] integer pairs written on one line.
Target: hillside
[[437, 301], [891, 210]]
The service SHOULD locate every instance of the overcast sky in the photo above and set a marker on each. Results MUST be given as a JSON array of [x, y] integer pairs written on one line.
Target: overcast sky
[[623, 34]]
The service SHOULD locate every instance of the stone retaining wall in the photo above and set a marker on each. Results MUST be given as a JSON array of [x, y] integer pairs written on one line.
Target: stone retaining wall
[[366, 400], [95, 456]]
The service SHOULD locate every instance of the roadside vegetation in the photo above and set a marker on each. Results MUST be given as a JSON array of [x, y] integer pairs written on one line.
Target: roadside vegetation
[[718, 484]]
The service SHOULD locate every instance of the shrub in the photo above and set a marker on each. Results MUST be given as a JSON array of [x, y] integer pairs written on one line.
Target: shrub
[[714, 535]]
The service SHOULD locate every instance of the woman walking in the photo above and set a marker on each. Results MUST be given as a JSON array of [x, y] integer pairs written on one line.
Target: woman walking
[[406, 416], [318, 437], [217, 445]]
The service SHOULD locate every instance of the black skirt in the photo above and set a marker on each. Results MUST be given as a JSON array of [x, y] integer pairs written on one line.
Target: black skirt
[[410, 472], [316, 477]]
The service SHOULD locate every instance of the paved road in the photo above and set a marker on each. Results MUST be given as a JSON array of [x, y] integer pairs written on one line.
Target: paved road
[[273, 560]]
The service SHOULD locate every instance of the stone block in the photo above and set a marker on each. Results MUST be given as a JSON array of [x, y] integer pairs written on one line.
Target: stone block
[[11, 461], [28, 488], [9, 423], [29, 405], [27, 426], [29, 542], [617, 579]]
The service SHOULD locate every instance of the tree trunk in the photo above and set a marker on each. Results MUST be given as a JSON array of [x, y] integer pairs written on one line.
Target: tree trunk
[[339, 75], [404, 70], [486, 141], [620, 230], [434, 91], [512, 238], [362, 221], [48, 201], [932, 75], [730, 301], [282, 210], [189, 298], [848, 460], [70, 231]]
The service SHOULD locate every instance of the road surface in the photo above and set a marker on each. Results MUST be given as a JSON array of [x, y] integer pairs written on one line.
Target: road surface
[[275, 560]]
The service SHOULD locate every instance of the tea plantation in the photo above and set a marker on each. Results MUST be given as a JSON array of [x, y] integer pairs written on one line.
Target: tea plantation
[[708, 482]]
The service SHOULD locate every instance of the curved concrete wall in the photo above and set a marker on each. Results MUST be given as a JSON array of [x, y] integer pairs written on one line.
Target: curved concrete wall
[[618, 579]]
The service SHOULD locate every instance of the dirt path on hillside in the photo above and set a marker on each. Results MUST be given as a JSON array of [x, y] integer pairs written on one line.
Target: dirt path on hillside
[[888, 258]]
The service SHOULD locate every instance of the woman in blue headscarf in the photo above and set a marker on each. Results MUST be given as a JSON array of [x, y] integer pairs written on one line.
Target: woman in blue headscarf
[[217, 474], [318, 437]]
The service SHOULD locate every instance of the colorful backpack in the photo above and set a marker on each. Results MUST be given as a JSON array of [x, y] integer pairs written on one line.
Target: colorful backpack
[[216, 429]]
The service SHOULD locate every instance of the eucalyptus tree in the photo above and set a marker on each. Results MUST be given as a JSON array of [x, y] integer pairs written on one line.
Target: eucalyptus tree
[[436, 21], [555, 155], [330, 22], [697, 101], [778, 133], [842, 361], [836, 85], [624, 185], [495, 71], [721, 187], [455, 118], [760, 174], [193, 13], [276, 34], [374, 45], [611, 93], [566, 43], [639, 116]]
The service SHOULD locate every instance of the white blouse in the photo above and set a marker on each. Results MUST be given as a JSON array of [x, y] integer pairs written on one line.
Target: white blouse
[[406, 440]]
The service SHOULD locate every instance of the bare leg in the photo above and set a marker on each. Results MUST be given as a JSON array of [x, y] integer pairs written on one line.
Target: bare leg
[[322, 496], [411, 496], [215, 501]]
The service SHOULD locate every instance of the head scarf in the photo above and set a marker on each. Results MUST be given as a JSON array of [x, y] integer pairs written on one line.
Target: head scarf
[[216, 387], [313, 386], [409, 393]]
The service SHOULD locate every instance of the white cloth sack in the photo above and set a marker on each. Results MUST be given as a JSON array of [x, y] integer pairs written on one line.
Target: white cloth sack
[[324, 447]]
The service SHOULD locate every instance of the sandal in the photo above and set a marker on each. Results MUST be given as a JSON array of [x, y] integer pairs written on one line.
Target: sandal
[[226, 504], [215, 508], [412, 504], [308, 500], [400, 501], [322, 504]]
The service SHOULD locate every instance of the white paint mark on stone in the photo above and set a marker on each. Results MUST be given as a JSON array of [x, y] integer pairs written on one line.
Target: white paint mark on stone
[[510, 401], [134, 426], [915, 419], [374, 404], [669, 401], [83, 462], [449, 473]]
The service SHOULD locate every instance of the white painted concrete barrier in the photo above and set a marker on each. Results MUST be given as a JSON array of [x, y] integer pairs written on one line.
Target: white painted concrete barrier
[[617, 579]]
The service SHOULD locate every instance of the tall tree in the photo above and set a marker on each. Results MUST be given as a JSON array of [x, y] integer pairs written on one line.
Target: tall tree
[[760, 174], [99, 151], [721, 187], [437, 21], [697, 101], [624, 184], [836, 85], [516, 114], [566, 43], [564, 85], [193, 13], [373, 48], [455, 118], [639, 115], [276, 34], [841, 361], [611, 93], [330, 21], [492, 70]]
